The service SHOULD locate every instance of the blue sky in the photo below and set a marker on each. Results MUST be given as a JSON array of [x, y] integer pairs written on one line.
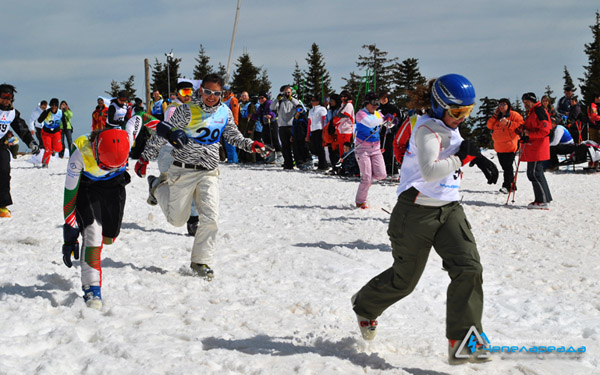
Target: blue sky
[[74, 49]]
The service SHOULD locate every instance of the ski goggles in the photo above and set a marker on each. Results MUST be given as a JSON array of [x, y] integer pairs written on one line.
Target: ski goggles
[[188, 91], [460, 112], [6, 95], [208, 92]]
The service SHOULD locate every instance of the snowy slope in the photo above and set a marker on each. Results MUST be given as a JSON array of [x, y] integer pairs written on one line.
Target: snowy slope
[[292, 250]]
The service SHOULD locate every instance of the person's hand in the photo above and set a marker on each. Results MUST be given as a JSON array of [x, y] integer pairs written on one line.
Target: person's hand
[[525, 138], [488, 168], [468, 151], [140, 167], [178, 138], [71, 244], [268, 117], [261, 149]]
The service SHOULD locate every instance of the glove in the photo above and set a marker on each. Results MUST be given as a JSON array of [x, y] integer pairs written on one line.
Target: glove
[[140, 167], [178, 138], [261, 149], [468, 151], [279, 97], [525, 138], [71, 245], [35, 149], [488, 168]]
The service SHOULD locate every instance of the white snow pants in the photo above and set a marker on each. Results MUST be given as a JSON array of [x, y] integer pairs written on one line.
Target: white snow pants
[[175, 197], [91, 251]]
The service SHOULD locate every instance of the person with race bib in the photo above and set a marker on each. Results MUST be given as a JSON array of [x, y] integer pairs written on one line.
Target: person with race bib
[[428, 214], [94, 202], [194, 130], [52, 120]]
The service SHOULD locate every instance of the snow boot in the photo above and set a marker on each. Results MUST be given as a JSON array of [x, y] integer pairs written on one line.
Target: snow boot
[[92, 297], [368, 327], [203, 270]]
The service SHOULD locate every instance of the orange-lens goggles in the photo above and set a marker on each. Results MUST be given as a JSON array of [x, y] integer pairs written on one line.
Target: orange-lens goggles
[[460, 112], [186, 92]]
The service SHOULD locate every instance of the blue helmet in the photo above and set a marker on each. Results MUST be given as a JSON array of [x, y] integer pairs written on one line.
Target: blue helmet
[[451, 90]]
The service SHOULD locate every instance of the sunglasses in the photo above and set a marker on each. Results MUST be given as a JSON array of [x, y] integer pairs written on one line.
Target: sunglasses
[[6, 95], [208, 92], [186, 91], [460, 112]]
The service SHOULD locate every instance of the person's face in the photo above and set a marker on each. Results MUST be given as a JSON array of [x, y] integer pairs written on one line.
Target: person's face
[[568, 93], [545, 102], [450, 121], [5, 102], [245, 97], [344, 98], [54, 108], [528, 104], [121, 101], [332, 102], [346, 148], [184, 98], [155, 95], [44, 107], [383, 100], [287, 92], [503, 107], [101, 102], [315, 102], [262, 99], [211, 93], [371, 108]]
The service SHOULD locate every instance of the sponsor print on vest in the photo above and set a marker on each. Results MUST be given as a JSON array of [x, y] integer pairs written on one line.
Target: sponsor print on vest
[[157, 107], [206, 128], [368, 125], [52, 121], [90, 168], [6, 118], [119, 116], [244, 110]]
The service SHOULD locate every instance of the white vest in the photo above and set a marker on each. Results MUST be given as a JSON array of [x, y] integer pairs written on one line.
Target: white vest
[[6, 118], [445, 189]]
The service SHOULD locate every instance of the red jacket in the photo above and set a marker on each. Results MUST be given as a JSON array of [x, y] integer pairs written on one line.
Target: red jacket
[[594, 116], [537, 123]]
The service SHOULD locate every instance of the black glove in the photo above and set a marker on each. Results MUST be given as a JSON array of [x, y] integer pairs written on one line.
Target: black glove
[[35, 149], [525, 138], [178, 138], [467, 148], [71, 245], [488, 168]]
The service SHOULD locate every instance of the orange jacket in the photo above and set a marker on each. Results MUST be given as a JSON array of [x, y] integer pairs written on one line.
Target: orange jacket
[[538, 125], [503, 131], [99, 118], [233, 104]]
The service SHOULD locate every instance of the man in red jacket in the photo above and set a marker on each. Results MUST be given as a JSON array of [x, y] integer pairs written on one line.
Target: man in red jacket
[[536, 148], [594, 122]]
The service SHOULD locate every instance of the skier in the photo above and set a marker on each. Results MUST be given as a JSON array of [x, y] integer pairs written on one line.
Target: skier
[[94, 200], [428, 213], [194, 130], [369, 122], [10, 118], [53, 119], [117, 111]]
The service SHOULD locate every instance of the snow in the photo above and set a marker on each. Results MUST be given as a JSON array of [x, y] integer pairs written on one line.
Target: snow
[[292, 251]]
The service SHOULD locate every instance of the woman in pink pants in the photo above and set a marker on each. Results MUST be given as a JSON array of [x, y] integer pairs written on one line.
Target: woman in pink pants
[[367, 147]]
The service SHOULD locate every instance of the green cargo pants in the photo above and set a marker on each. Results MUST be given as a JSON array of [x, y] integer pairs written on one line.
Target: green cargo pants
[[413, 230]]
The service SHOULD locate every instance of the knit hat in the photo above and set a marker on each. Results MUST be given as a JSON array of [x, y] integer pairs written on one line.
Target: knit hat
[[184, 85], [53, 101], [529, 96]]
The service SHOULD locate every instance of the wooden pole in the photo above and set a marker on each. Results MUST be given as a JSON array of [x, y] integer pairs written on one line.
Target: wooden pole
[[147, 83]]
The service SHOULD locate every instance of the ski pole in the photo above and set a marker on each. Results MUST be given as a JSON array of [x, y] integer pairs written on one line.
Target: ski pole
[[514, 182]]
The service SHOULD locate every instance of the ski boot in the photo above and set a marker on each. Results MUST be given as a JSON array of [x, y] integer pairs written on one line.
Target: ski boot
[[203, 270], [92, 297], [5, 212], [368, 327], [478, 356]]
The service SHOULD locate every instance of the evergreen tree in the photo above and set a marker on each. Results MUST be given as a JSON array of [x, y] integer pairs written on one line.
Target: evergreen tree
[[590, 84], [160, 74], [548, 92], [264, 84], [517, 106], [247, 76], [298, 80], [354, 84], [203, 66], [380, 66], [317, 78], [406, 77], [568, 80], [128, 86], [222, 70], [480, 132]]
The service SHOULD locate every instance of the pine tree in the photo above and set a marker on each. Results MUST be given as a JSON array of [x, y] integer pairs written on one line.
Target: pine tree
[[406, 77], [317, 78], [203, 66], [298, 80], [480, 131], [517, 106], [128, 86], [548, 92], [568, 80], [354, 84], [247, 76], [590, 84], [222, 70], [264, 84], [380, 66], [160, 74]]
